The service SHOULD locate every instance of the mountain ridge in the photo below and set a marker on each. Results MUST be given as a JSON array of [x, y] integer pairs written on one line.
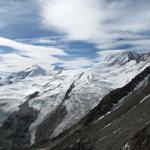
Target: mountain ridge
[[82, 90]]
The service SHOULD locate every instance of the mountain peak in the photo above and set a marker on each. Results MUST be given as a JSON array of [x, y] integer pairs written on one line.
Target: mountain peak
[[35, 70], [119, 57]]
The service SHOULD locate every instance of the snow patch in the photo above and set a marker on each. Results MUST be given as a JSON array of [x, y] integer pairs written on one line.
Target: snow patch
[[126, 147]]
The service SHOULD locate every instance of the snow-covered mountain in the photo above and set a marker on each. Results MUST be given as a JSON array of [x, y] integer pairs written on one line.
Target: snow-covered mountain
[[48, 104], [29, 72], [15, 86], [121, 121], [33, 71]]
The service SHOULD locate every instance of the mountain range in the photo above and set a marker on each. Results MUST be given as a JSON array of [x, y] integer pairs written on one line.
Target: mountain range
[[104, 107]]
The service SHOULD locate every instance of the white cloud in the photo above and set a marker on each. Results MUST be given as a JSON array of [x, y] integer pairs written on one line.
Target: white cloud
[[28, 48], [79, 19], [77, 63], [98, 21]]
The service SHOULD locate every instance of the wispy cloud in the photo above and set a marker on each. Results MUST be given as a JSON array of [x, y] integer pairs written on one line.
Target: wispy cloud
[[77, 63], [27, 55]]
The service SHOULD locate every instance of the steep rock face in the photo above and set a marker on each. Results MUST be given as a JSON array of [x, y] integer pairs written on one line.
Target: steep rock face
[[118, 117]]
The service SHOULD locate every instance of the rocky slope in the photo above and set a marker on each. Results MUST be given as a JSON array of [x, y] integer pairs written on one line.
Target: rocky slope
[[60, 99], [140, 141]]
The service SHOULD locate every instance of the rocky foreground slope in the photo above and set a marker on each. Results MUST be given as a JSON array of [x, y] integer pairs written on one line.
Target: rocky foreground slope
[[121, 121], [62, 98]]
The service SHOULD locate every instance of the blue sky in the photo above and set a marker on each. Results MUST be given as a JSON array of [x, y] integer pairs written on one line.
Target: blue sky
[[70, 33]]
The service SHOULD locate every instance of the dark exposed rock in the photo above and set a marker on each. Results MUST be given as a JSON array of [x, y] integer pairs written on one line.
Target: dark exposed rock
[[33, 95], [47, 127]]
